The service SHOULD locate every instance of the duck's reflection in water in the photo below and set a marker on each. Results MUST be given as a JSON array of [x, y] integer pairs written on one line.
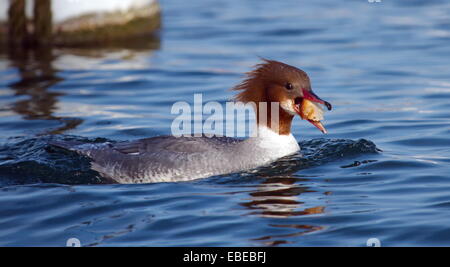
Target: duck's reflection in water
[[279, 197]]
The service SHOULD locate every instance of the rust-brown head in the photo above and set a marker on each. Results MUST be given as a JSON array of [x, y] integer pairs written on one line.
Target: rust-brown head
[[273, 81]]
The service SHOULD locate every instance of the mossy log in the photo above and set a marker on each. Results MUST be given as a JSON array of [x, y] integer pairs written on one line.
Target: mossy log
[[108, 27], [94, 28]]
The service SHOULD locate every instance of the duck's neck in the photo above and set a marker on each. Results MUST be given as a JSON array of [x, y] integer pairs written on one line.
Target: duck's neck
[[280, 125], [275, 137], [275, 145]]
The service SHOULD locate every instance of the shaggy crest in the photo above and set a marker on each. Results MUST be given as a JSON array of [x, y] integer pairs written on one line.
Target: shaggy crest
[[269, 72]]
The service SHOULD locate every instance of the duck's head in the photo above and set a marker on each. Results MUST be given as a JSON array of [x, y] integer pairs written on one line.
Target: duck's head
[[273, 81]]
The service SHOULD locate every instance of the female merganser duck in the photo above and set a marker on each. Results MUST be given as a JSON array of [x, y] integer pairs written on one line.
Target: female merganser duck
[[171, 159]]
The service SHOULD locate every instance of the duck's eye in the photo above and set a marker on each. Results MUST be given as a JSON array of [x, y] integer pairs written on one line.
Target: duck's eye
[[289, 86]]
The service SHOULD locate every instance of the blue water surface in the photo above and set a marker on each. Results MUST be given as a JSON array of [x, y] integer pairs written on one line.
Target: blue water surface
[[381, 172]]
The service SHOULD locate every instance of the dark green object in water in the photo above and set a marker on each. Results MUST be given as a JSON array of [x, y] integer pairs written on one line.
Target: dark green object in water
[[82, 29]]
